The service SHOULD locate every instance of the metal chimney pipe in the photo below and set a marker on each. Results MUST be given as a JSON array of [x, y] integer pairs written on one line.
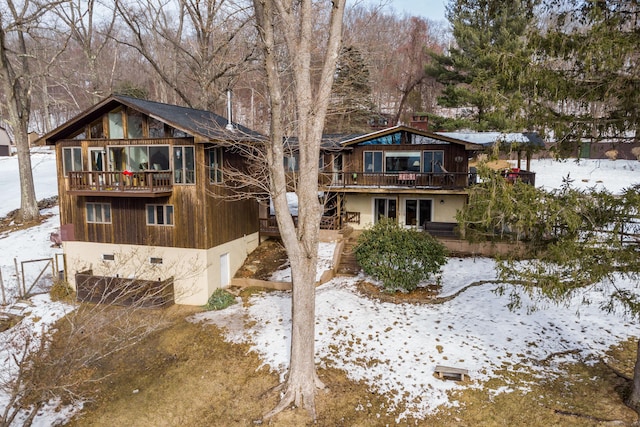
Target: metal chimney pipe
[[229, 118]]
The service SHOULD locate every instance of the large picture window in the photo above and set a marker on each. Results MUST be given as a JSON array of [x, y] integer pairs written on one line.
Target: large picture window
[[139, 157], [98, 213], [71, 159], [373, 161], [159, 215], [402, 161], [184, 165], [432, 161]]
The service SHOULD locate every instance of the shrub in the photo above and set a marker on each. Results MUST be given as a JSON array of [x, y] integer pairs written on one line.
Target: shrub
[[220, 299], [400, 258], [61, 291], [611, 154], [636, 152]]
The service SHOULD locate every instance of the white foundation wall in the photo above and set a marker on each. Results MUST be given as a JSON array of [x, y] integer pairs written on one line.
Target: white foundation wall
[[444, 206], [196, 272]]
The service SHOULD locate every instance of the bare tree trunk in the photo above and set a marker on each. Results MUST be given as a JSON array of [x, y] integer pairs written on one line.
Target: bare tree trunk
[[16, 85], [294, 21], [634, 399]]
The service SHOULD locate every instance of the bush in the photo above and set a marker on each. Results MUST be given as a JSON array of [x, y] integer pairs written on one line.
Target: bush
[[220, 299], [400, 258], [61, 291]]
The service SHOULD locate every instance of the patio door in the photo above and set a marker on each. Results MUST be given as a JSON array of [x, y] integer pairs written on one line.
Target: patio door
[[384, 208], [96, 164], [417, 212]]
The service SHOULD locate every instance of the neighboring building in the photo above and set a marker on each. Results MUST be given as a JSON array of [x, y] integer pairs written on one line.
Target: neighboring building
[[518, 142], [141, 198], [5, 142]]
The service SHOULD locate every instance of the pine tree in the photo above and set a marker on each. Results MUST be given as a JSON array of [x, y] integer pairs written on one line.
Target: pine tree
[[587, 71], [485, 73], [351, 104]]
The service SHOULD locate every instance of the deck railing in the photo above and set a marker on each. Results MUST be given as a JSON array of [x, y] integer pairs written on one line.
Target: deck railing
[[446, 180], [140, 183]]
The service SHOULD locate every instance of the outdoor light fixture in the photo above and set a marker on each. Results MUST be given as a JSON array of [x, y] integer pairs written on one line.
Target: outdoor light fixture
[[442, 201]]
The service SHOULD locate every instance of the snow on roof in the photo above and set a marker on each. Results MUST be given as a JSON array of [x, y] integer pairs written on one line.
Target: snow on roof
[[490, 138]]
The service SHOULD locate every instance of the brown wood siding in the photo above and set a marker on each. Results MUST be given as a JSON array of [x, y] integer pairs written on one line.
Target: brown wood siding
[[227, 219], [353, 161], [201, 220]]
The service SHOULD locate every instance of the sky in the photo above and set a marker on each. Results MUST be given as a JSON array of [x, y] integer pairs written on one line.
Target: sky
[[393, 348], [431, 9]]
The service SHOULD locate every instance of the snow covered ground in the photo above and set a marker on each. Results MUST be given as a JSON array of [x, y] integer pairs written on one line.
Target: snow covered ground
[[392, 347]]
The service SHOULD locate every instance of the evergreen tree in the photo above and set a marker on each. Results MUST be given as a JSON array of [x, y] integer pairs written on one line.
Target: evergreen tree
[[587, 71], [575, 239], [351, 104], [485, 74]]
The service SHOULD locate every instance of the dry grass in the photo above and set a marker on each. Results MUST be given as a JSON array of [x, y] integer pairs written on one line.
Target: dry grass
[[187, 375]]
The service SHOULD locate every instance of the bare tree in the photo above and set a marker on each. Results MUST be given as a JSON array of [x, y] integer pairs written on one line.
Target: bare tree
[[197, 48], [91, 27], [295, 21], [62, 364], [16, 20]]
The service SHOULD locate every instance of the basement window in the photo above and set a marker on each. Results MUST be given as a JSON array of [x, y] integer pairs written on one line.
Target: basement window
[[155, 260], [108, 257]]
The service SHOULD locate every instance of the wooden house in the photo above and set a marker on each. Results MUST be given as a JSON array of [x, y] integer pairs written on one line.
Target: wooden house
[[141, 198], [414, 176]]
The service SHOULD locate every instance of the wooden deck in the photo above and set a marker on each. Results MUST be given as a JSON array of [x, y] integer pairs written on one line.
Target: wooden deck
[[121, 184]]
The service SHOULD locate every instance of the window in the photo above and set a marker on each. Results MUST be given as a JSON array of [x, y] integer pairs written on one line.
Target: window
[[417, 211], [98, 213], [139, 157], [156, 128], [290, 163], [384, 208], [215, 165], [184, 165], [134, 124], [96, 130], [372, 161], [155, 260], [115, 125], [71, 159], [432, 161], [402, 161], [108, 257], [159, 215]]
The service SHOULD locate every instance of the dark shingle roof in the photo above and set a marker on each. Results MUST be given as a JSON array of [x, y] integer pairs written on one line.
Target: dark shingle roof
[[198, 123], [190, 120]]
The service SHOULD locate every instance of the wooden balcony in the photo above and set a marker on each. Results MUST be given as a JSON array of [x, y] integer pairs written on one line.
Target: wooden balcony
[[419, 180], [120, 184], [350, 179]]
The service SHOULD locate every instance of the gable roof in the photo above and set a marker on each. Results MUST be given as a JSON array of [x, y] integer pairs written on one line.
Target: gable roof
[[348, 140], [199, 123]]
